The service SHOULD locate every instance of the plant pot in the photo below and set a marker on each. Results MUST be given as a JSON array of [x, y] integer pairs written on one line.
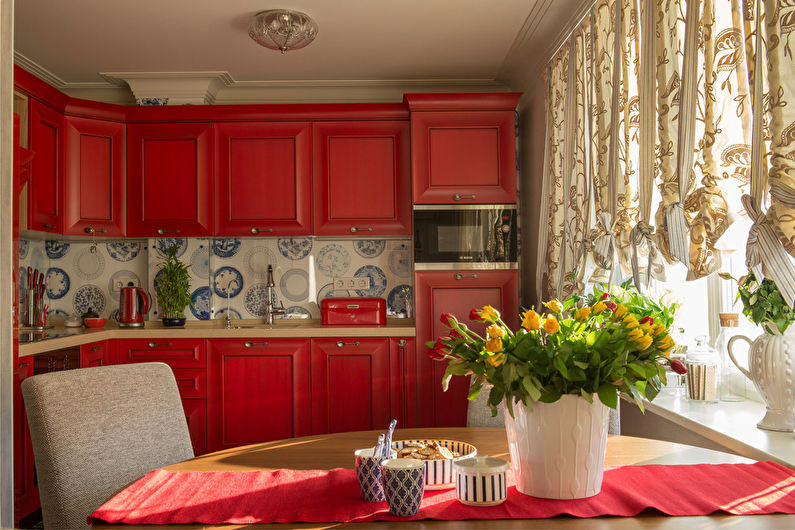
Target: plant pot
[[558, 449], [771, 362], [174, 322]]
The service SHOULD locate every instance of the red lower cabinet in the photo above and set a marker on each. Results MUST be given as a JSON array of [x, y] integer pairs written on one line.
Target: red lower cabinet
[[102, 353], [26, 493], [354, 384], [196, 415], [257, 390], [403, 349], [454, 292]]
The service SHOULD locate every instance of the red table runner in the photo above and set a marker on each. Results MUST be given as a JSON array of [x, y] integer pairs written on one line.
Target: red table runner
[[289, 496]]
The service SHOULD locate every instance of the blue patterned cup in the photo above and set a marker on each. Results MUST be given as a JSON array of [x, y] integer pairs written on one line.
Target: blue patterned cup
[[368, 473], [404, 484]]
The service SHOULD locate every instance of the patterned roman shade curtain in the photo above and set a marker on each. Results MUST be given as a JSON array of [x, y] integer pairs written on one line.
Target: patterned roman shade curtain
[[696, 110]]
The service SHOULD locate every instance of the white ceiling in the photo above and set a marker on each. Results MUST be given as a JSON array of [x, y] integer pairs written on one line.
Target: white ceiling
[[402, 43]]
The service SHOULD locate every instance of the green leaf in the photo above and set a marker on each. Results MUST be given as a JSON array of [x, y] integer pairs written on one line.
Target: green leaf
[[586, 395], [560, 366], [637, 369], [608, 394], [531, 389]]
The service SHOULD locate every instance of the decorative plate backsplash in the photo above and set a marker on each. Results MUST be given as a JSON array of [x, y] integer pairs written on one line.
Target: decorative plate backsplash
[[79, 275]]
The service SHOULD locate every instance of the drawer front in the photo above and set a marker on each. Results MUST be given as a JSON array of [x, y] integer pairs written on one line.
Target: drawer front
[[192, 382], [177, 353]]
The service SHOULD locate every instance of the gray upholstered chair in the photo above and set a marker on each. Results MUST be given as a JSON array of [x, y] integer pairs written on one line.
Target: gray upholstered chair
[[96, 430]]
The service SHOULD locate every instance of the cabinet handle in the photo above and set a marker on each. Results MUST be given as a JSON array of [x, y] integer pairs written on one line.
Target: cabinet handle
[[252, 344], [459, 276], [458, 197], [156, 344], [402, 343], [90, 230], [355, 229], [162, 231], [96, 348], [48, 225], [258, 230], [340, 344], [23, 365]]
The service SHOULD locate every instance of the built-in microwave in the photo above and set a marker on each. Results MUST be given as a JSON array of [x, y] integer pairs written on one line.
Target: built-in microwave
[[472, 235]]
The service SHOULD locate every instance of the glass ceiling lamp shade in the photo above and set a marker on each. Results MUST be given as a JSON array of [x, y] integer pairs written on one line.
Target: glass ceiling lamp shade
[[282, 29]]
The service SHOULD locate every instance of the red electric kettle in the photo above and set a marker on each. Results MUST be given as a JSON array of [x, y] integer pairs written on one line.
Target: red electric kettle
[[133, 305]]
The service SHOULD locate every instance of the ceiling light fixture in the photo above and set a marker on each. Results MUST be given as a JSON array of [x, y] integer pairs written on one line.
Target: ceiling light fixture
[[282, 29]]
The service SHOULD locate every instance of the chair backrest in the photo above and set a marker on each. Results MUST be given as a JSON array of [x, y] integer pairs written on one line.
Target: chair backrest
[[96, 430], [479, 413]]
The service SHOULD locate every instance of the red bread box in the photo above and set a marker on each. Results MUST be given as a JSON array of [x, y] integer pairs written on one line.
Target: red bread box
[[353, 311]]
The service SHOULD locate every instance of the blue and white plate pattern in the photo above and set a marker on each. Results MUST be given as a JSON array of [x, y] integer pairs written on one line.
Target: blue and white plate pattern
[[399, 261], [89, 265], [201, 303], [294, 285], [296, 311], [163, 243], [55, 249], [377, 280], [233, 314], [258, 258], [396, 300], [56, 283], [226, 247], [255, 299], [333, 260], [89, 297], [123, 250], [200, 262], [295, 248], [24, 246], [227, 282], [122, 274], [327, 291], [369, 248]]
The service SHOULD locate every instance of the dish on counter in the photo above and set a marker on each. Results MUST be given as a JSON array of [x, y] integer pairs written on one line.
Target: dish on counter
[[94, 322], [439, 471]]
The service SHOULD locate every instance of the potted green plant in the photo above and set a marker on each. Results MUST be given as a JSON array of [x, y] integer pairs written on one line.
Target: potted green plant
[[548, 372], [172, 285]]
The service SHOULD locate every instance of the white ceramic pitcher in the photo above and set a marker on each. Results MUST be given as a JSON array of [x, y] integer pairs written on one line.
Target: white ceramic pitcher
[[771, 367]]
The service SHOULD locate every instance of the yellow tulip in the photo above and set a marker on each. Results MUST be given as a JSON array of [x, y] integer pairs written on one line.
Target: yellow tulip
[[489, 313], [495, 331], [630, 322], [665, 343], [582, 314], [644, 342], [554, 306], [620, 311], [635, 334], [496, 360], [658, 330], [531, 320], [598, 307], [551, 325], [494, 345]]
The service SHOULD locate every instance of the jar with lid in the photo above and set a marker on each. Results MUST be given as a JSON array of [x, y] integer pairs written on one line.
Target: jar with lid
[[702, 371], [732, 381]]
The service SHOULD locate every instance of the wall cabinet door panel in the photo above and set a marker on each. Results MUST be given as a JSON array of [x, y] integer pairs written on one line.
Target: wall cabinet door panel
[[169, 179], [361, 178], [263, 179], [455, 292], [46, 179], [353, 380], [94, 183], [258, 390]]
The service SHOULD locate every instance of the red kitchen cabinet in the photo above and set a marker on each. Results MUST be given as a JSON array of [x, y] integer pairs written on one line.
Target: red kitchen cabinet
[[46, 178], [169, 179], [463, 147], [354, 384], [258, 390], [26, 493], [94, 183], [263, 179], [361, 178], [455, 292], [102, 353], [404, 350], [196, 416]]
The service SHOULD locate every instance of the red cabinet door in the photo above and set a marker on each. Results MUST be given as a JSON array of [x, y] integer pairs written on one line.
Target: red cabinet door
[[258, 390], [169, 179], [353, 380], [45, 193], [404, 397], [95, 354], [455, 292], [196, 416], [26, 495], [361, 178], [263, 179], [94, 183]]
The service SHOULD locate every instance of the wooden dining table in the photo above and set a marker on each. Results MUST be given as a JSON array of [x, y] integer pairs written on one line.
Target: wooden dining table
[[329, 451]]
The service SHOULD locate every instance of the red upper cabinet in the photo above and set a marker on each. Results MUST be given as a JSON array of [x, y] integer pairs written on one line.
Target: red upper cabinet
[[463, 147], [94, 184], [361, 178], [263, 178], [169, 179], [454, 292], [46, 179]]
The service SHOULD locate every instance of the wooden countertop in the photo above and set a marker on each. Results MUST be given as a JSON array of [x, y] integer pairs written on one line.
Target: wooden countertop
[[62, 337]]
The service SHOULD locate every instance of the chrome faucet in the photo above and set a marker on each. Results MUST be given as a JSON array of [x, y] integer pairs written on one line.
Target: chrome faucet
[[228, 295], [270, 310]]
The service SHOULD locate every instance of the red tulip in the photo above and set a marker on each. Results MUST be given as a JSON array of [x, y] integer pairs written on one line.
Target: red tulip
[[611, 305], [439, 349], [447, 319], [678, 367], [605, 295], [647, 319], [474, 314], [455, 334]]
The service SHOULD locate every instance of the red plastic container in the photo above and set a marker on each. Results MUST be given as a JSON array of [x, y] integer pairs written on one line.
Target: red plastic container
[[353, 311]]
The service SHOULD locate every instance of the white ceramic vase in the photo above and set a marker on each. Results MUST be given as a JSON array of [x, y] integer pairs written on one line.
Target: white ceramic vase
[[558, 449], [771, 363]]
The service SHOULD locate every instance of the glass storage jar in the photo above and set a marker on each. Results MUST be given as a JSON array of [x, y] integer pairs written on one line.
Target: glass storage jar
[[732, 381], [702, 371]]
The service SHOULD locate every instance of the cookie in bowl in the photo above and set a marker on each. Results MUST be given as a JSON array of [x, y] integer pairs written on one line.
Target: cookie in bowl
[[438, 457]]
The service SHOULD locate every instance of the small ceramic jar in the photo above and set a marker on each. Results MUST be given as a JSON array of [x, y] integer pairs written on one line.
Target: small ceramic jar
[[480, 481]]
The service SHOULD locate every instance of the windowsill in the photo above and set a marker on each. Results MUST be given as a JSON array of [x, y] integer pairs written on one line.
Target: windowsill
[[731, 425]]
